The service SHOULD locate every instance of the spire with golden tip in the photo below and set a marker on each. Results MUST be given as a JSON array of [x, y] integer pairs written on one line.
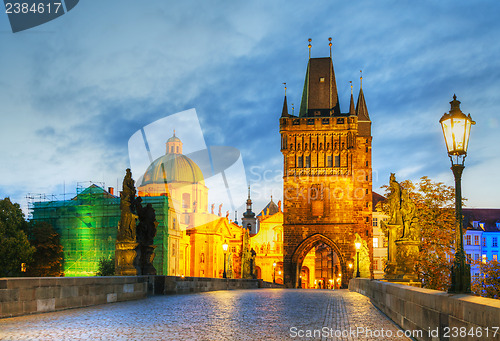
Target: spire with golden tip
[[364, 122], [309, 46], [284, 112], [352, 110], [330, 44]]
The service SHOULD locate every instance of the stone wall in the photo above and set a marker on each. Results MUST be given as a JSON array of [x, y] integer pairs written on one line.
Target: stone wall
[[171, 285], [435, 313], [23, 296]]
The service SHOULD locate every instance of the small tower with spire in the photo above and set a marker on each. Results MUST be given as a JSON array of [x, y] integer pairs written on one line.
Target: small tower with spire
[[249, 221]]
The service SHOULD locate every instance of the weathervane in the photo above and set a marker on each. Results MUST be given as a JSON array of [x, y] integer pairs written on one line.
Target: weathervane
[[351, 87], [285, 88], [361, 79], [330, 44], [309, 46]]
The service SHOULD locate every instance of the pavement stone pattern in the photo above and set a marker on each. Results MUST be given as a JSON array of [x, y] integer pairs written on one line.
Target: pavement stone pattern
[[255, 314]]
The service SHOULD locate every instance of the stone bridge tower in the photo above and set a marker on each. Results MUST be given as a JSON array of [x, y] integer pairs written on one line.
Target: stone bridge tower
[[327, 184]]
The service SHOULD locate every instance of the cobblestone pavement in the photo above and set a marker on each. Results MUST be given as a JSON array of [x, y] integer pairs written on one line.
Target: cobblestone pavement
[[263, 314]]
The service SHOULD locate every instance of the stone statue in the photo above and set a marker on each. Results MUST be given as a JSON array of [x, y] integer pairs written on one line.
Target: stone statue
[[213, 206], [402, 232], [253, 270], [146, 231], [220, 210], [246, 257], [125, 253]]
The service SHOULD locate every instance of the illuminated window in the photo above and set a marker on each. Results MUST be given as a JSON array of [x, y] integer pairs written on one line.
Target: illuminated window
[[468, 240], [476, 240], [484, 241], [321, 79], [484, 259], [375, 242], [495, 257]]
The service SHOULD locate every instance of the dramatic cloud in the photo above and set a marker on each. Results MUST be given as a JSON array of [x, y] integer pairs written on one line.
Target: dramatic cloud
[[74, 90]]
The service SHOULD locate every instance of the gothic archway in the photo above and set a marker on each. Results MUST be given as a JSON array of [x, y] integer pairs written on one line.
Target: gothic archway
[[303, 249]]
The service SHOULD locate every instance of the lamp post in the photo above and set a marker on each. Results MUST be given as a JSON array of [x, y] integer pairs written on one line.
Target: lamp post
[[274, 272], [456, 130], [358, 246], [224, 247]]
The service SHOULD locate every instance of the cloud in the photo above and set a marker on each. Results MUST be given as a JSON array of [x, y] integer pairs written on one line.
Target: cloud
[[70, 101]]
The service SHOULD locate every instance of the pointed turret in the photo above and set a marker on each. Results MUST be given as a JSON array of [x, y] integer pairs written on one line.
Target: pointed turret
[[284, 112], [352, 110], [319, 97], [364, 123]]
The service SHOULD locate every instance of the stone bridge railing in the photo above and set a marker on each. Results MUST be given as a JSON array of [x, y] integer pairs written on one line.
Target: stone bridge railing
[[435, 313], [22, 296]]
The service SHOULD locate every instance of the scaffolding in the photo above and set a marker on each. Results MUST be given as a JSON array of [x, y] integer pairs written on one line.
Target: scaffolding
[[88, 222]]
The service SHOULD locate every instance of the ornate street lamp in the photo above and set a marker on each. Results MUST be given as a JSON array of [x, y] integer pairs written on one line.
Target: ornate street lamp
[[456, 129], [358, 246], [224, 247], [274, 272]]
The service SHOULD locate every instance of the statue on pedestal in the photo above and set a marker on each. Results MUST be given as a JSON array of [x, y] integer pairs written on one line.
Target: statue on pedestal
[[403, 234], [134, 248], [125, 247]]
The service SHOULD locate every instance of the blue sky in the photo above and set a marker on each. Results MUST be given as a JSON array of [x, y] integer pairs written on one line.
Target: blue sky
[[74, 90]]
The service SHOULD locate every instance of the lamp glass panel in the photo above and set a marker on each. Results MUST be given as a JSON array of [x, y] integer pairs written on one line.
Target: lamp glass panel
[[448, 135], [468, 124], [458, 127]]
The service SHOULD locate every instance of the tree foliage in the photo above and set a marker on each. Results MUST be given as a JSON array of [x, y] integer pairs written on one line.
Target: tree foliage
[[106, 267], [15, 248], [488, 283], [435, 204], [47, 260]]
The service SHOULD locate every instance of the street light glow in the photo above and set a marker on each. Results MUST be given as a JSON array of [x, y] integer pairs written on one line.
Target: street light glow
[[456, 129]]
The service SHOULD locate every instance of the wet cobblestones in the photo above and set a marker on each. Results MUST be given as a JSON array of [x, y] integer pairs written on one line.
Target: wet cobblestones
[[264, 314]]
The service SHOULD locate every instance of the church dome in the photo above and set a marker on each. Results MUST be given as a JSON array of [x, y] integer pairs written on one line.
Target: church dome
[[171, 168], [174, 139]]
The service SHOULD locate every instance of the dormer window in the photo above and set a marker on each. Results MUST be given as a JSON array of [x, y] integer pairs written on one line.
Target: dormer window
[[475, 224]]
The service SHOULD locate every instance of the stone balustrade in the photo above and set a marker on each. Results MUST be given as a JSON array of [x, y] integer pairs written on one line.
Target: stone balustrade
[[436, 313], [22, 296]]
